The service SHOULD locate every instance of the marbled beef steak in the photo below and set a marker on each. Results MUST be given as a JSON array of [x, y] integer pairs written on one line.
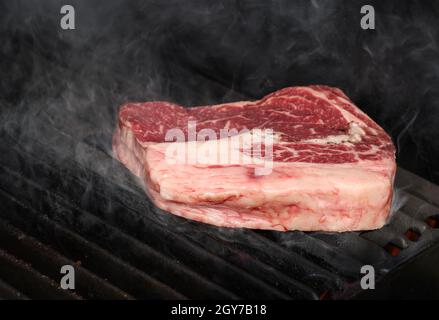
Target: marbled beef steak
[[332, 166]]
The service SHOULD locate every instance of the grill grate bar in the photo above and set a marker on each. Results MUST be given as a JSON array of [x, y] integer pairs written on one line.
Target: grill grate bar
[[9, 293], [49, 262], [417, 186], [417, 207], [24, 278], [253, 262], [287, 261], [48, 227], [403, 222], [310, 245], [386, 235]]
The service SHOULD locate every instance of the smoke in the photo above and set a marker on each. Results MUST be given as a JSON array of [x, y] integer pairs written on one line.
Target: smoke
[[406, 128], [399, 200], [60, 90], [208, 52], [63, 87]]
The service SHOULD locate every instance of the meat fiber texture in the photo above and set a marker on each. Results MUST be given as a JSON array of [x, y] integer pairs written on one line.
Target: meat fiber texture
[[331, 168]]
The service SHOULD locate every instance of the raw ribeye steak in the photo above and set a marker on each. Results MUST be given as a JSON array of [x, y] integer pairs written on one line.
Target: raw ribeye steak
[[330, 166]]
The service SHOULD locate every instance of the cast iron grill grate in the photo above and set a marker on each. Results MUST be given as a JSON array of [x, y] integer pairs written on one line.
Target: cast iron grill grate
[[65, 200], [93, 215]]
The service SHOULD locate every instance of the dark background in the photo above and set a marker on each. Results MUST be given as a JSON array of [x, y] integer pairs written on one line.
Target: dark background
[[198, 52]]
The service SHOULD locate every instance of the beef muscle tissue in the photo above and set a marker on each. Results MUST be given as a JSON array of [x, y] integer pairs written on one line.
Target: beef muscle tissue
[[331, 167]]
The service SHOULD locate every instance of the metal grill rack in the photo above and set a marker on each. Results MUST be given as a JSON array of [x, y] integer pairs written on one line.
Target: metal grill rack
[[76, 205]]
